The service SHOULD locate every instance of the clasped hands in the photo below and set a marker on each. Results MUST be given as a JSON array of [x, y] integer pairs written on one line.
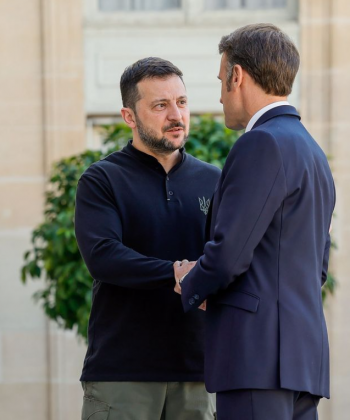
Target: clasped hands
[[181, 269]]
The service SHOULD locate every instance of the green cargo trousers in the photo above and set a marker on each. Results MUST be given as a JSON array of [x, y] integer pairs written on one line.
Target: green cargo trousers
[[147, 401]]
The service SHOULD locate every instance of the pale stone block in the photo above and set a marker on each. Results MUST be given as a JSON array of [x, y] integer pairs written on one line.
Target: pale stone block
[[63, 27], [21, 154], [68, 104], [341, 347], [20, 89], [315, 62], [341, 10], [64, 141], [340, 85], [26, 114], [25, 357], [314, 11], [341, 231], [66, 401], [64, 126], [18, 311], [1, 359], [340, 32], [20, 27], [22, 204], [67, 354], [24, 401], [314, 98], [324, 409], [341, 146], [339, 402], [319, 131], [314, 51]]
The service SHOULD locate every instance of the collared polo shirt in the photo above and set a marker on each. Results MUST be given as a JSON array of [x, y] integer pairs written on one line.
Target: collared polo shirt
[[133, 220]]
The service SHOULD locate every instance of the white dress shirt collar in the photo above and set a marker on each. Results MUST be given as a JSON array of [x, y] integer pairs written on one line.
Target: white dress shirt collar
[[262, 111]]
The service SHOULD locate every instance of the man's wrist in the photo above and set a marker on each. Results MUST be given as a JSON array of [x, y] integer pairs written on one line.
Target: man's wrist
[[181, 279]]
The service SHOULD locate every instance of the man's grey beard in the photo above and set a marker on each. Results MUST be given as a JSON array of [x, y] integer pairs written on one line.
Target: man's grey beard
[[159, 145]]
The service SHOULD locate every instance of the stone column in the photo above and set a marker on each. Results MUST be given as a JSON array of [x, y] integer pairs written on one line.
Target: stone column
[[41, 120], [315, 51], [23, 349], [325, 29], [63, 135], [62, 64], [340, 153]]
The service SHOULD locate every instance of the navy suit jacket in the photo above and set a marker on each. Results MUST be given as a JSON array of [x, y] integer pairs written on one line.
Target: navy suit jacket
[[265, 262]]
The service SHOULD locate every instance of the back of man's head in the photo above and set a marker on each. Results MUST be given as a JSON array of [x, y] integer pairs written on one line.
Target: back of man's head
[[146, 68], [265, 53]]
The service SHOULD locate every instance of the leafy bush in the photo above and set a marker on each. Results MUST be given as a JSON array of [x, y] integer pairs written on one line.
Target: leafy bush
[[54, 255], [66, 297]]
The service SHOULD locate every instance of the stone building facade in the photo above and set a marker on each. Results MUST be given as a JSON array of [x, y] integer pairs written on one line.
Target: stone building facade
[[60, 65]]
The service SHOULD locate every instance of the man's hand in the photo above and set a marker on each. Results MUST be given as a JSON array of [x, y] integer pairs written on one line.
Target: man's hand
[[203, 306], [181, 268]]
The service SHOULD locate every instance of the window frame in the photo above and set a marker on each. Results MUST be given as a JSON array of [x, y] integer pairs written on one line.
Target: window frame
[[192, 12], [95, 17]]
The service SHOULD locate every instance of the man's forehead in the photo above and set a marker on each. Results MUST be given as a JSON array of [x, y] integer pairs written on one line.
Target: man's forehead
[[223, 62], [156, 85], [222, 69]]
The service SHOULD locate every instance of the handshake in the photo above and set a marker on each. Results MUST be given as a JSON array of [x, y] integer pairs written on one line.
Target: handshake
[[181, 269]]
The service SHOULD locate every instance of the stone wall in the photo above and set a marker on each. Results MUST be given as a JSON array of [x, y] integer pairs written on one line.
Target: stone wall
[[325, 87], [41, 119]]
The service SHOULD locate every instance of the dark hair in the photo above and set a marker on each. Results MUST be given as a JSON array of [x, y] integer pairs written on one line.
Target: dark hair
[[265, 53], [146, 68]]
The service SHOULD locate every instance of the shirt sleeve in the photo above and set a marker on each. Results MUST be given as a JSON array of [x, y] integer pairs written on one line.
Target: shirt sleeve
[[99, 233], [252, 190]]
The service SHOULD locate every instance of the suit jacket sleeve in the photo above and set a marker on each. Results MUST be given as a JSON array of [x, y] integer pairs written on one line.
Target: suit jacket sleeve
[[99, 234], [325, 260], [252, 189]]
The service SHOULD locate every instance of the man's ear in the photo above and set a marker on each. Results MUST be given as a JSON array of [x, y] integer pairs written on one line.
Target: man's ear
[[237, 76], [128, 116]]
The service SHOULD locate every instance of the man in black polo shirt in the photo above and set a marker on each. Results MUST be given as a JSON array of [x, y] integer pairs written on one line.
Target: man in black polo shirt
[[137, 211]]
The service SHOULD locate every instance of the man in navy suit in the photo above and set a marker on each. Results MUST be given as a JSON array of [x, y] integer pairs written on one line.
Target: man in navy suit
[[268, 243]]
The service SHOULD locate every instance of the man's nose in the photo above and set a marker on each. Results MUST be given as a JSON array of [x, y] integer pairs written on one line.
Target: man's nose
[[221, 100], [174, 114]]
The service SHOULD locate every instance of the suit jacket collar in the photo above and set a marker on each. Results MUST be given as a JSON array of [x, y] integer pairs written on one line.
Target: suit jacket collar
[[276, 112]]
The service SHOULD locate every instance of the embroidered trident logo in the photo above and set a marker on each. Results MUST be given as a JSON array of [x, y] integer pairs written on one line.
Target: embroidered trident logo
[[204, 205]]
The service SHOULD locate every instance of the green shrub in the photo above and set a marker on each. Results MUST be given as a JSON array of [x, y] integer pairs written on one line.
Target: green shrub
[[54, 254], [66, 297]]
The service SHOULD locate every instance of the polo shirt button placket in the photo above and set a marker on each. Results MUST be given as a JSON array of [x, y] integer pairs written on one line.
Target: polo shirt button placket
[[169, 193]]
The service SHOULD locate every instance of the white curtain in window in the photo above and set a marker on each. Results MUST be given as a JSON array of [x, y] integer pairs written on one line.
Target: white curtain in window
[[245, 4], [223, 4], [112, 5], [265, 4], [138, 5]]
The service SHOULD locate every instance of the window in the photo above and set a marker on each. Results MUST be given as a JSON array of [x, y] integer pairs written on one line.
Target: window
[[138, 5], [179, 13], [245, 4], [186, 32]]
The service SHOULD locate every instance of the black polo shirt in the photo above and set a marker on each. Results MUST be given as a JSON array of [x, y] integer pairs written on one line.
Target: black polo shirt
[[133, 220]]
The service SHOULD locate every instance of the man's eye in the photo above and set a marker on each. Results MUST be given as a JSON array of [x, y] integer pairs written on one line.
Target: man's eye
[[160, 106], [183, 102]]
